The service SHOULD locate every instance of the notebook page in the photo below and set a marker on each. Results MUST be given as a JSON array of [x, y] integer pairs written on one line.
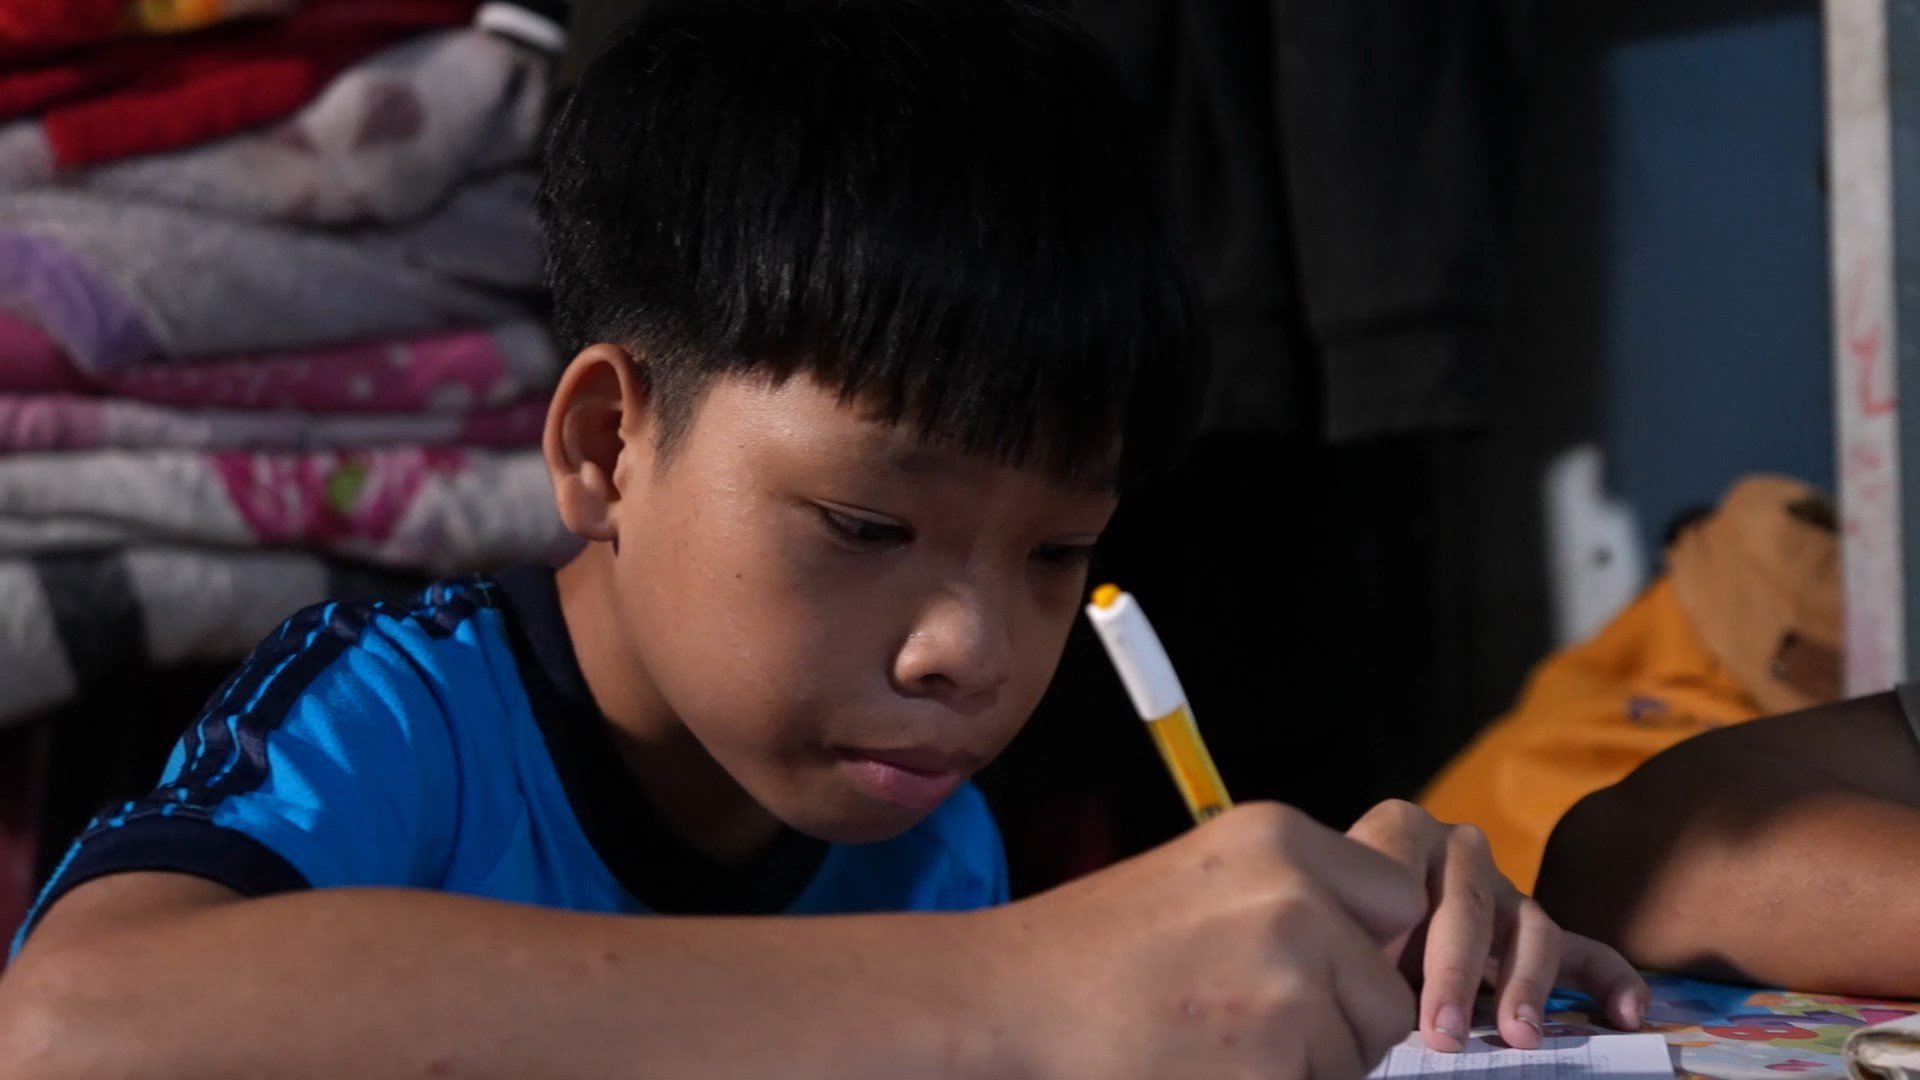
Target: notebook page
[[1597, 1057]]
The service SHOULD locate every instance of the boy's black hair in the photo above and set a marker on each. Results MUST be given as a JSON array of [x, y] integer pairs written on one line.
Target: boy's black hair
[[945, 208]]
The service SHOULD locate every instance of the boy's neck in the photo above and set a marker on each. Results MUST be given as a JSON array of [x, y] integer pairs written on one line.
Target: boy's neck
[[696, 798]]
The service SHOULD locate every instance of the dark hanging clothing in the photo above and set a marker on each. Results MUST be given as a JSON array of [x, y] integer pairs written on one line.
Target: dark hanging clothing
[[1334, 163]]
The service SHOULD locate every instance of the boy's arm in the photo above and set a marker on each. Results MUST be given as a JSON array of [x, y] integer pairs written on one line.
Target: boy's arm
[[1785, 850], [165, 974], [1250, 946]]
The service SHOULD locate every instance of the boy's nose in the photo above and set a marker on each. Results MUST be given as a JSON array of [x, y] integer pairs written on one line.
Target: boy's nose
[[959, 650]]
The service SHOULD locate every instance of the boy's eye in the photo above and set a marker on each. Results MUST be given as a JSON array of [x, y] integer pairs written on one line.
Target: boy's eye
[[1063, 556], [865, 532]]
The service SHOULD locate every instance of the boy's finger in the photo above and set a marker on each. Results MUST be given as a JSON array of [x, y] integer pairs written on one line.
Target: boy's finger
[[1459, 940], [1606, 976], [1527, 975], [1384, 897], [1402, 831], [1372, 996]]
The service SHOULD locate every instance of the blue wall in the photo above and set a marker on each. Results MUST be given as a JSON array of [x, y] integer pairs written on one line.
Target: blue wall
[[1669, 298], [1715, 311]]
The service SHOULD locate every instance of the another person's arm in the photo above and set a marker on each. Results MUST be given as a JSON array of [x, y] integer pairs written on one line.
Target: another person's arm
[[1785, 850]]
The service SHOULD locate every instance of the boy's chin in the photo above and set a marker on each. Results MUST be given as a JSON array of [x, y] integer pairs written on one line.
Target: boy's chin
[[855, 825]]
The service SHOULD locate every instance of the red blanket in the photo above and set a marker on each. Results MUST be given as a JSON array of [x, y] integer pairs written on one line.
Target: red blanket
[[146, 95]]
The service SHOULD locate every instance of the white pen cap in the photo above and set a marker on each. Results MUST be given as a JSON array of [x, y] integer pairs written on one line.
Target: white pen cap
[[1137, 654]]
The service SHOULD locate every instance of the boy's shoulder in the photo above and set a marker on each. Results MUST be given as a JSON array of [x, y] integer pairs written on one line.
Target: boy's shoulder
[[426, 628], [341, 752], [445, 645]]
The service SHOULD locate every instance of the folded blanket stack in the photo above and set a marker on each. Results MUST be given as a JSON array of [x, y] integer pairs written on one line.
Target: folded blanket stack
[[270, 317]]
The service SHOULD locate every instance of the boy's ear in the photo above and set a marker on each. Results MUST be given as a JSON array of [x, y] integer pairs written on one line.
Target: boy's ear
[[598, 431]]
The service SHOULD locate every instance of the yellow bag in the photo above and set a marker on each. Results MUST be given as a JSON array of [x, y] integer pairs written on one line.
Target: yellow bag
[[176, 16], [1745, 623]]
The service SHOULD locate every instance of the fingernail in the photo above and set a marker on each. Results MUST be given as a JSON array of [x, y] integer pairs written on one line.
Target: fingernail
[[1451, 1022], [1530, 1016], [1631, 1011]]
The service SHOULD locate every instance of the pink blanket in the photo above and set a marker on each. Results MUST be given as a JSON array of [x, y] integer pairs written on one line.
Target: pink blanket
[[455, 371], [37, 422], [435, 511]]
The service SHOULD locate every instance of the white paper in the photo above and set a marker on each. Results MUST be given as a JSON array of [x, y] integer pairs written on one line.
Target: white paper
[[1612, 1057]]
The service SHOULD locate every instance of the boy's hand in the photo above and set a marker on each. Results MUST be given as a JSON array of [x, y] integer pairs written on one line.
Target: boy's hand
[[1252, 946], [1481, 928]]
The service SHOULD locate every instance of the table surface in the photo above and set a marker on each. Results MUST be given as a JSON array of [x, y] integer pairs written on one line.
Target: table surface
[[1721, 1032]]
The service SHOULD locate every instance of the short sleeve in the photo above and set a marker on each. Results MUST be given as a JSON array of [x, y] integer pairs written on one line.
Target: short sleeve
[[324, 760]]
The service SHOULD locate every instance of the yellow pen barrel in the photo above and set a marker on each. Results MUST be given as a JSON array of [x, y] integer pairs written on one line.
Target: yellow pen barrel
[[1192, 767]]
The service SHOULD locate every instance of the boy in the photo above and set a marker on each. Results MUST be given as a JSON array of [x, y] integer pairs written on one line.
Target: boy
[[875, 312], [1784, 851]]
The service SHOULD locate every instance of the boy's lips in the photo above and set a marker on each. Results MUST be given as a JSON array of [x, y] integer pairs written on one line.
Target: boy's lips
[[916, 778]]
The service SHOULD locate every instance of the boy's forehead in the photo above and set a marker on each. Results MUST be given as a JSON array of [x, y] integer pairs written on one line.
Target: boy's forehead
[[903, 451], [905, 448], [861, 434]]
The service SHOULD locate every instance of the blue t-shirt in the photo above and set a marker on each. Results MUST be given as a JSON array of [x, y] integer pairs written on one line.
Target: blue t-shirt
[[452, 744]]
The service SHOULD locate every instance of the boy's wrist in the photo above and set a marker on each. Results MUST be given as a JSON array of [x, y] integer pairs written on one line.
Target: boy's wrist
[[1005, 1030]]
